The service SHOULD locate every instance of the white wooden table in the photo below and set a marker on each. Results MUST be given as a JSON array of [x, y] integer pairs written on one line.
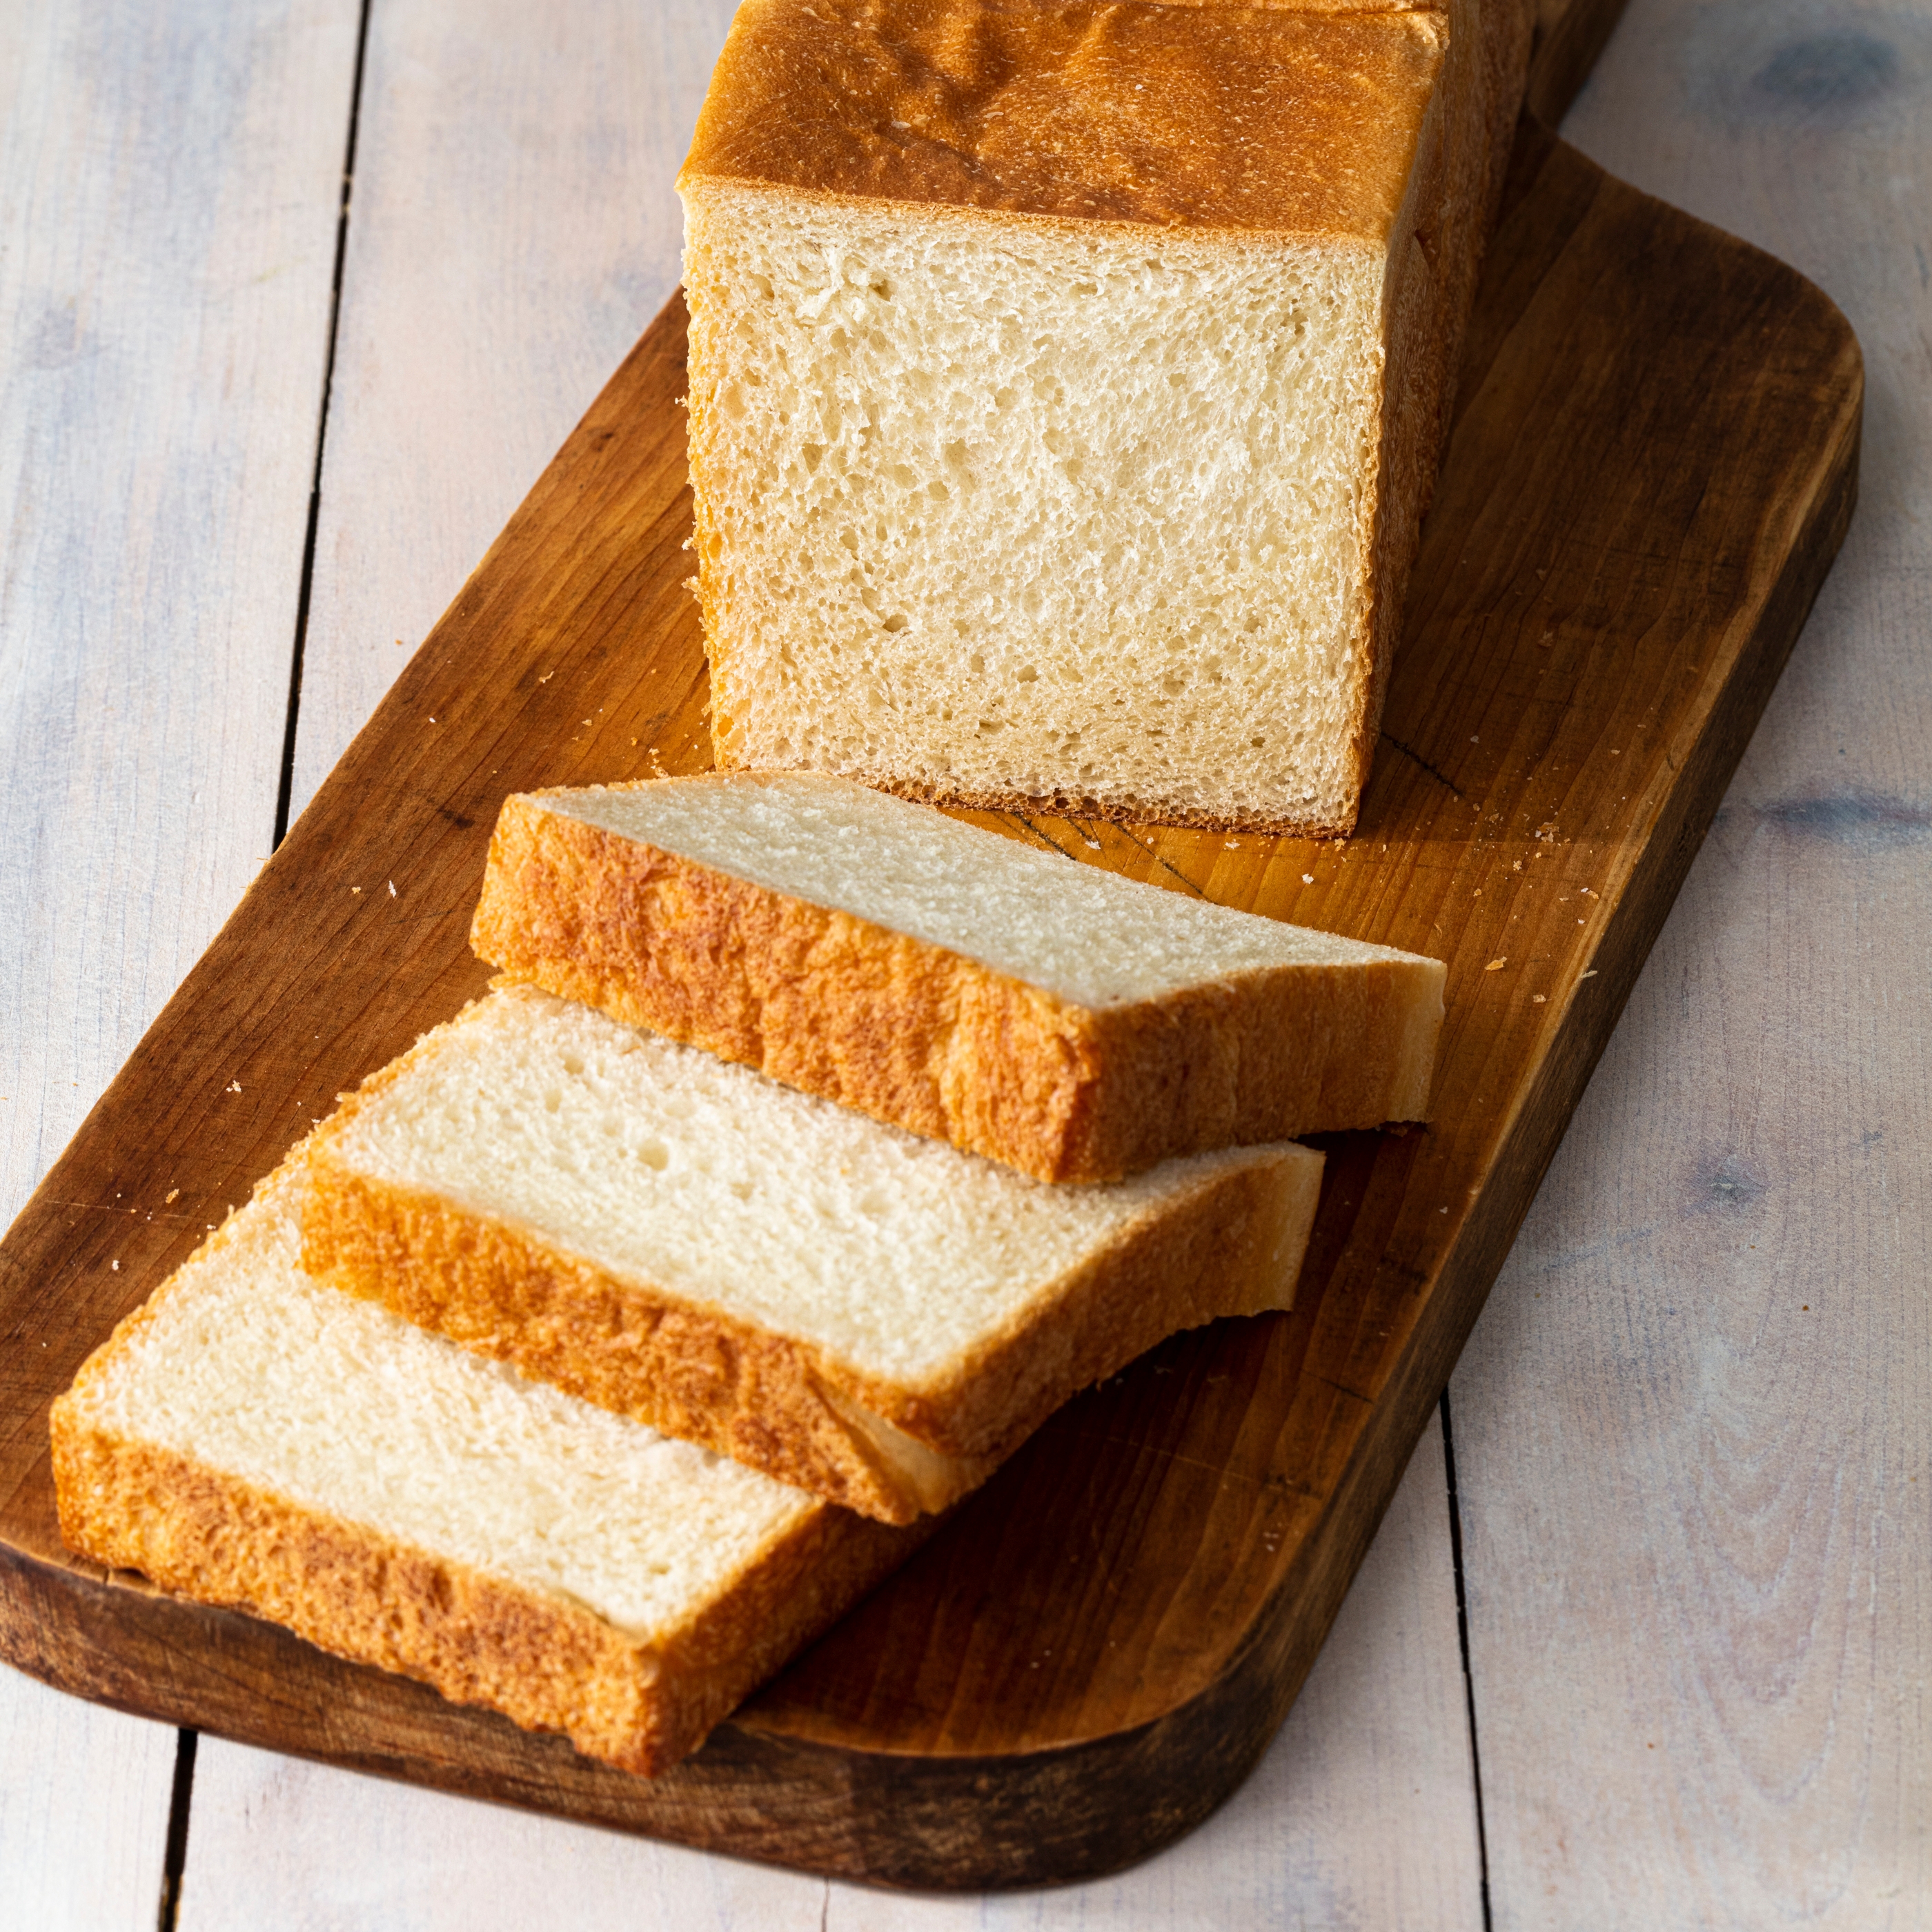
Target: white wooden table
[[249, 448]]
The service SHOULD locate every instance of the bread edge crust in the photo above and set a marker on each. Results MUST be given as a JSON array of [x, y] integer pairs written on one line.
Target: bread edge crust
[[762, 977], [1436, 251], [545, 1663], [498, 1288], [963, 1053], [1231, 1245], [1125, 810]]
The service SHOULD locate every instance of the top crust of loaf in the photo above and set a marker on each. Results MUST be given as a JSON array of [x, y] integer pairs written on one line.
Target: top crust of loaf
[[1249, 119]]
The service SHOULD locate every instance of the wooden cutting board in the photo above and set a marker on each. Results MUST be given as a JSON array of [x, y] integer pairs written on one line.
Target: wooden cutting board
[[1654, 461]]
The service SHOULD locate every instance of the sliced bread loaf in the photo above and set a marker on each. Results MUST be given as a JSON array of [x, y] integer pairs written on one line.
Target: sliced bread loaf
[[1068, 380], [875, 1317], [251, 1438], [1070, 1023]]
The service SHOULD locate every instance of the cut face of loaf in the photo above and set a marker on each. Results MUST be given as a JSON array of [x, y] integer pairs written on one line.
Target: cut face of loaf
[[251, 1438], [1067, 385], [1068, 1022], [876, 1318]]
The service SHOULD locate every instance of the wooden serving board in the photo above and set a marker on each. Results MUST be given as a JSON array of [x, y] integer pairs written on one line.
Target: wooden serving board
[[1654, 461]]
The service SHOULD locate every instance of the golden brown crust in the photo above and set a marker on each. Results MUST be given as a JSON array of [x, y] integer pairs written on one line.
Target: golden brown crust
[[929, 1040], [1234, 1246], [1253, 119], [1436, 255], [545, 1663], [1414, 376], [835, 1005], [501, 1289]]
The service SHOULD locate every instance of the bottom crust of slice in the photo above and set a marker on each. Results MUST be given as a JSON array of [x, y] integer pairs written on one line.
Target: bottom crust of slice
[[544, 1663], [1337, 822]]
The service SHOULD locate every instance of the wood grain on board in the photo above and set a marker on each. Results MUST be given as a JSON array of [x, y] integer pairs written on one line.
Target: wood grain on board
[[1566, 38], [1653, 463], [1692, 1428]]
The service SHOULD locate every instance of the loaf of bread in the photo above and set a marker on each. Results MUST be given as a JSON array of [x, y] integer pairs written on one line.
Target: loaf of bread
[[1067, 382], [251, 1438], [1069, 1022], [874, 1317]]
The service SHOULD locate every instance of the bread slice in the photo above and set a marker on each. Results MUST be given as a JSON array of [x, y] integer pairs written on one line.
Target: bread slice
[[1070, 1023], [1067, 382], [877, 1318], [251, 1438]]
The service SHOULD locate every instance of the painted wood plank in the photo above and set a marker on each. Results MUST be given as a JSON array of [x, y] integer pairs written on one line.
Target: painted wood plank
[[1692, 1429], [514, 229], [166, 241], [84, 1795], [172, 185], [1362, 1814]]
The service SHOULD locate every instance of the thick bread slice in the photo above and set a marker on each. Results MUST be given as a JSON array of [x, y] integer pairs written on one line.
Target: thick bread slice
[[251, 1438], [1068, 382], [877, 1318], [1072, 1024]]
